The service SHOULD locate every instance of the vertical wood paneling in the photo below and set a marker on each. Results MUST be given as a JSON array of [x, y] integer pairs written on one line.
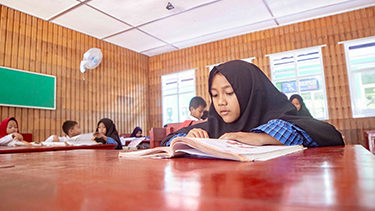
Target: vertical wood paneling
[[34, 45], [323, 31]]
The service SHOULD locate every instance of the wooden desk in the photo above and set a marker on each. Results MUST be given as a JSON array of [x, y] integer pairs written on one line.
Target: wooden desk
[[23, 149], [330, 178]]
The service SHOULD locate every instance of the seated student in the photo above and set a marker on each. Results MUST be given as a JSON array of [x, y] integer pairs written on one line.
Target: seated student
[[70, 128], [106, 133], [248, 108], [297, 101], [137, 132], [9, 133], [196, 107]]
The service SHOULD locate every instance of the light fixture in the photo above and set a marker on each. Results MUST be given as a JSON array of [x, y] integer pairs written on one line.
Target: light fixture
[[169, 6]]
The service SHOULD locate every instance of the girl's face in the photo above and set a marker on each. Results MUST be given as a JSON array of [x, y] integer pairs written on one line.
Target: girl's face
[[224, 99], [139, 134], [296, 103], [12, 127], [102, 129]]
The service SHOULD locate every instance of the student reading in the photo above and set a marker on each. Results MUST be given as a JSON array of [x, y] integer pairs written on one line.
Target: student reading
[[196, 107], [297, 101], [248, 108], [9, 133], [106, 133], [70, 128]]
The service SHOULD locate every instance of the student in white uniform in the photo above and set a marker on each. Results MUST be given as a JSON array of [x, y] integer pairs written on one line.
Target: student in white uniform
[[9, 133], [70, 128], [197, 106]]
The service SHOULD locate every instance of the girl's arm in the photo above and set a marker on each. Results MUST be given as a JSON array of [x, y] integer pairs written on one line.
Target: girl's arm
[[274, 132], [4, 141], [111, 141], [257, 139]]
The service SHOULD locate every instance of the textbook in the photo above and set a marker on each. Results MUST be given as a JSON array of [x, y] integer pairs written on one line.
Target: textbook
[[79, 140], [83, 139], [215, 148]]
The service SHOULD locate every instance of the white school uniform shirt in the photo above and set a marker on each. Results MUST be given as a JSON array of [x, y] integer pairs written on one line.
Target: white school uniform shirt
[[61, 139], [192, 118], [10, 142]]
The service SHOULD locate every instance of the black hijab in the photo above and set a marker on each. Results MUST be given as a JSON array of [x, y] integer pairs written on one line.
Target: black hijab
[[260, 102], [303, 111], [110, 131], [135, 131]]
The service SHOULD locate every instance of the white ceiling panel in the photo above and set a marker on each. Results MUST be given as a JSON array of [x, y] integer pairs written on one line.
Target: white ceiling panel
[[287, 7], [213, 18], [147, 27], [135, 40], [90, 21], [44, 9], [137, 12], [324, 11], [159, 50], [226, 34]]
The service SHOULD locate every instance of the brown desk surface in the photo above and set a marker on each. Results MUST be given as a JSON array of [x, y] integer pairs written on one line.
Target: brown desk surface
[[330, 178], [22, 149]]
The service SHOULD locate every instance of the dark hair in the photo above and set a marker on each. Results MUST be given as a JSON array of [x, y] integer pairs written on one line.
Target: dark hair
[[205, 115], [67, 125], [197, 101]]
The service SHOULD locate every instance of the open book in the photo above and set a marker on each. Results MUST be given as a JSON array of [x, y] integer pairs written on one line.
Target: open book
[[83, 139], [215, 148]]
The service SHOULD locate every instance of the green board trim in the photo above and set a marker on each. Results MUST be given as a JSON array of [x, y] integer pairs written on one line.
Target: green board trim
[[27, 89]]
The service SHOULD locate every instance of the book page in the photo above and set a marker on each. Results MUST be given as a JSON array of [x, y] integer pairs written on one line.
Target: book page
[[83, 139], [158, 152], [135, 142], [230, 149], [238, 147]]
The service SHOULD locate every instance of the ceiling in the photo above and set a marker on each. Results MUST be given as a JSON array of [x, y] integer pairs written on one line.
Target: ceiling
[[147, 27]]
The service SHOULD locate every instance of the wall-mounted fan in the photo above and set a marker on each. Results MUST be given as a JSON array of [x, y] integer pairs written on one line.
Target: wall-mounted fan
[[91, 59]]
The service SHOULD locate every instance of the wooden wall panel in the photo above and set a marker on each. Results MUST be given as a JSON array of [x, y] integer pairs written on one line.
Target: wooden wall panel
[[116, 89], [323, 31]]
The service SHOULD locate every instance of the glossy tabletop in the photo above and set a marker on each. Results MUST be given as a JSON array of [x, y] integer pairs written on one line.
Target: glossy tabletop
[[22, 149], [328, 178]]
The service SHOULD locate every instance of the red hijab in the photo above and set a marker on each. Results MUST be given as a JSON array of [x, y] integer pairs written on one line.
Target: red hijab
[[4, 124]]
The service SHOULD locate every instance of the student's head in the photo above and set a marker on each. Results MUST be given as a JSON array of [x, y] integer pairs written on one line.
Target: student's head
[[8, 126], [224, 98], [197, 106], [106, 126], [243, 98], [71, 128], [137, 132], [296, 100]]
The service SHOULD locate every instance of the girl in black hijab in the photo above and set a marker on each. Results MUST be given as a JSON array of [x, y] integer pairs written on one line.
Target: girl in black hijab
[[248, 108], [137, 132], [297, 101], [106, 133]]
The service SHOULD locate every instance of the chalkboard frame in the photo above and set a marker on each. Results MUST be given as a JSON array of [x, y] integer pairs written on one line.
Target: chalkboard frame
[[11, 91]]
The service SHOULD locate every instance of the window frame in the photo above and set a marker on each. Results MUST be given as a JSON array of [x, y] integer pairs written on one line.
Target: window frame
[[356, 111], [178, 75], [298, 78]]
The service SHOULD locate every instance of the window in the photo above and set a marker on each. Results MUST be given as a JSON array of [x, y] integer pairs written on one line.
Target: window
[[210, 67], [177, 91], [360, 61], [301, 72]]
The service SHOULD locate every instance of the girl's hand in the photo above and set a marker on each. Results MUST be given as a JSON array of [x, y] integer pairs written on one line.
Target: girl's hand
[[100, 135], [197, 133], [257, 139], [17, 136]]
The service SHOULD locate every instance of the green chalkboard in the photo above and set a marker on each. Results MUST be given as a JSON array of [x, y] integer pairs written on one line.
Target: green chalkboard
[[27, 89]]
